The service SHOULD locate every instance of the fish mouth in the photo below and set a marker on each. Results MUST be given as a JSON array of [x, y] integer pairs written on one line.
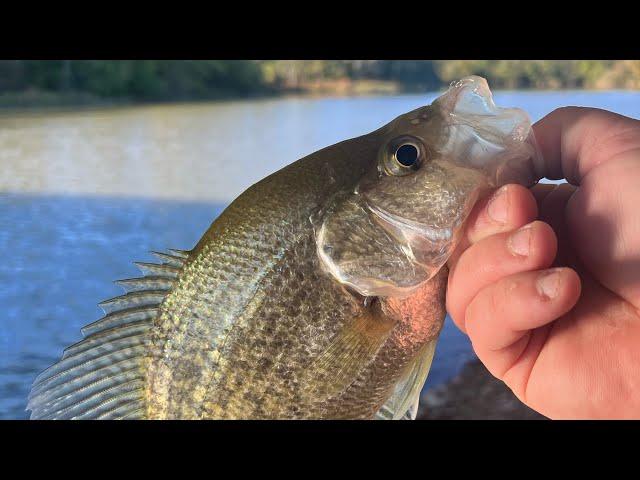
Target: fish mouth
[[496, 140]]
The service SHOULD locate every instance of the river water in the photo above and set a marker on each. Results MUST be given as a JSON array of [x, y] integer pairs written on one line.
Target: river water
[[85, 192]]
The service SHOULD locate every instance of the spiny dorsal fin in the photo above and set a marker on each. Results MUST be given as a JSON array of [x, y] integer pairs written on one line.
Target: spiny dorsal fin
[[143, 284], [167, 259], [102, 376], [184, 254], [132, 299], [130, 315], [153, 269]]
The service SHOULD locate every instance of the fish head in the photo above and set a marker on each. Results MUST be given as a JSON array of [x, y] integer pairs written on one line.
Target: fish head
[[401, 222]]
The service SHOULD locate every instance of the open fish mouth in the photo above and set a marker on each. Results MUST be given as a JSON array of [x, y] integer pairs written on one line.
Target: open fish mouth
[[496, 140]]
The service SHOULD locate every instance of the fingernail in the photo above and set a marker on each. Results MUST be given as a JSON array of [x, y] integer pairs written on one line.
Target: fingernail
[[548, 284], [498, 208], [518, 242]]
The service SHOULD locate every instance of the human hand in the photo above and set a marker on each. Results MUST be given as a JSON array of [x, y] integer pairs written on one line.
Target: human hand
[[565, 339]]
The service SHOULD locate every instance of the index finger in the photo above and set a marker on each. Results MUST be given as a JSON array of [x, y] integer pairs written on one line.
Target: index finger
[[574, 140], [506, 209]]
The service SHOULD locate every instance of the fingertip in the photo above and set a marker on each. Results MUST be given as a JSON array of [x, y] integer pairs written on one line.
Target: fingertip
[[508, 208], [561, 286], [544, 243]]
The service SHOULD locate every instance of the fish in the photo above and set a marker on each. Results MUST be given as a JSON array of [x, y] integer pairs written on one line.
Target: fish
[[318, 293]]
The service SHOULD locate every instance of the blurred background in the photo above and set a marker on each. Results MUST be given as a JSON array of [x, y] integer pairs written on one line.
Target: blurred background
[[103, 161]]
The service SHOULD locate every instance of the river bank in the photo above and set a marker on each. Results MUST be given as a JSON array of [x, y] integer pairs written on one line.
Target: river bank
[[29, 83], [34, 98], [45, 99]]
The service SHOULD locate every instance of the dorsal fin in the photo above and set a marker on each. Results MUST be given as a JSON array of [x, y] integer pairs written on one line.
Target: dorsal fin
[[137, 299], [167, 259], [155, 269], [184, 254], [102, 376], [144, 284]]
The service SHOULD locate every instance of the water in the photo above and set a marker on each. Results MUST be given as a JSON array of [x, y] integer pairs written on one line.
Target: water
[[84, 193]]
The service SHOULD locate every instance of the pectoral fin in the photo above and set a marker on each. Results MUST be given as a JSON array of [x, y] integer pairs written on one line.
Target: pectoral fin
[[350, 351]]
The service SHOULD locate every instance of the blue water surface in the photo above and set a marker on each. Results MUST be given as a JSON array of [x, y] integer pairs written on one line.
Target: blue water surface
[[63, 254]]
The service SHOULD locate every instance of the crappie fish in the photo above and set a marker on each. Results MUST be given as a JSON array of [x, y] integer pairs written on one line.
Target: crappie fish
[[318, 293]]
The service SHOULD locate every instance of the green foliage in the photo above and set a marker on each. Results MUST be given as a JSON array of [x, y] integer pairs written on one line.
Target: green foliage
[[296, 73], [134, 79], [531, 73], [153, 80]]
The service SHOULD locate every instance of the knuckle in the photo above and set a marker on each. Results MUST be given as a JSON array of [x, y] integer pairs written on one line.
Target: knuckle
[[485, 305]]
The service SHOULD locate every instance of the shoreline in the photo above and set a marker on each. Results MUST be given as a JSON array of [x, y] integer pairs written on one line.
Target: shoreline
[[36, 99], [44, 99]]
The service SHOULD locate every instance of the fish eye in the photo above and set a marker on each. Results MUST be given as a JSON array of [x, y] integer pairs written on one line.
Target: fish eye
[[407, 155], [403, 155]]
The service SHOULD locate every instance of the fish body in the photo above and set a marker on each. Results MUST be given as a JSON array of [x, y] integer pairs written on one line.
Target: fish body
[[318, 293]]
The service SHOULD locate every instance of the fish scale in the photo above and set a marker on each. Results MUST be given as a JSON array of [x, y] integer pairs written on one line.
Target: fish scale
[[247, 236]]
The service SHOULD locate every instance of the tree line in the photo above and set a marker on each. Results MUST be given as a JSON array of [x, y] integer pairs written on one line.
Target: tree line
[[153, 80], [501, 74]]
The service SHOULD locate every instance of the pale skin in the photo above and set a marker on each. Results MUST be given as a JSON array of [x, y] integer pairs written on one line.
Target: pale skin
[[546, 281]]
